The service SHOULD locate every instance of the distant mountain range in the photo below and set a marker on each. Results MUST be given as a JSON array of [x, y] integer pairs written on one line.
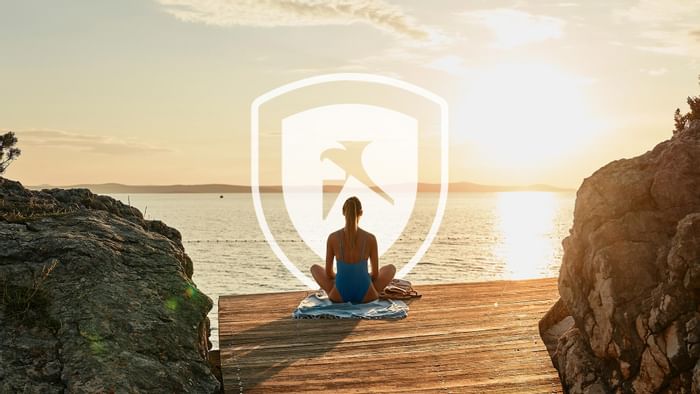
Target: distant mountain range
[[118, 188]]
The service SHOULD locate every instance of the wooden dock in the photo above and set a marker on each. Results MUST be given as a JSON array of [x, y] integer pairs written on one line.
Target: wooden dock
[[457, 338]]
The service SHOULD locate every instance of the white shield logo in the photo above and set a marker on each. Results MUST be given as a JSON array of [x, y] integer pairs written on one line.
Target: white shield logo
[[332, 152]]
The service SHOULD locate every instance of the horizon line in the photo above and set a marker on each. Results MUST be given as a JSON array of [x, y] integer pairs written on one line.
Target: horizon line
[[233, 185]]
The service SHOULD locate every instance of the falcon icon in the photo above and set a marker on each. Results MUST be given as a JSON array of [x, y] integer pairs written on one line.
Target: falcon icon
[[349, 159]]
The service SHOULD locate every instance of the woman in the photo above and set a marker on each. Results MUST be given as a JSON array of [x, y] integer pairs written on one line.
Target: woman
[[351, 246]]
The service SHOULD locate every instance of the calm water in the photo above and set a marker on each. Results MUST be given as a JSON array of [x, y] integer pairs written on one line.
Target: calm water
[[483, 236]]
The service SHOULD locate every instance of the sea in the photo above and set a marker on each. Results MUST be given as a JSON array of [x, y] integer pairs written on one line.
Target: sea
[[482, 237]]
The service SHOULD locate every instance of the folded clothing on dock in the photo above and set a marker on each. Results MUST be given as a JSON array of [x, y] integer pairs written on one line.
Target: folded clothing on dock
[[318, 306], [399, 289]]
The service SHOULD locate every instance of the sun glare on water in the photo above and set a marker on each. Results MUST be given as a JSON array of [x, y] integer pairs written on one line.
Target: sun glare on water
[[525, 228]]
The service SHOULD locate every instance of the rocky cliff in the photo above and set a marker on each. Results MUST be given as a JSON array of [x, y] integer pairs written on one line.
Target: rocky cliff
[[96, 299], [630, 276]]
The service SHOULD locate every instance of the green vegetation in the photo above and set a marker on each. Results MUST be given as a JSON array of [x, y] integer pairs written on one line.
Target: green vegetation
[[694, 114], [8, 151]]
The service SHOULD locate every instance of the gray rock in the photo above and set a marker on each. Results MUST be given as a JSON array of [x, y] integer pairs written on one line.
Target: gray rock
[[96, 299], [630, 275]]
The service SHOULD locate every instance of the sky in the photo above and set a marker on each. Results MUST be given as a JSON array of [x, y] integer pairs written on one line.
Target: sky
[[159, 91]]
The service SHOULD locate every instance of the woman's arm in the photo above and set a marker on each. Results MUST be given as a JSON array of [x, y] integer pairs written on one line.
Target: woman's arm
[[329, 258], [374, 256]]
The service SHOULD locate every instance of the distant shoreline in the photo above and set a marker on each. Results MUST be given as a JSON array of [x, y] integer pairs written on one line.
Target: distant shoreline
[[118, 188]]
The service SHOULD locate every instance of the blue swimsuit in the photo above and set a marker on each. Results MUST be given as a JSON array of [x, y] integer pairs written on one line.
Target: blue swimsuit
[[352, 279]]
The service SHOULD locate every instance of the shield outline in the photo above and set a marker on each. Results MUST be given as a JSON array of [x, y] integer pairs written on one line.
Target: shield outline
[[344, 77]]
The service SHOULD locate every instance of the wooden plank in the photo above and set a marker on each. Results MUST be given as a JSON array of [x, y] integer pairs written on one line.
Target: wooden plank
[[461, 337]]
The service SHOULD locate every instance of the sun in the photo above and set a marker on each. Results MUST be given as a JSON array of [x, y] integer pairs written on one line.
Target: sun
[[525, 115]]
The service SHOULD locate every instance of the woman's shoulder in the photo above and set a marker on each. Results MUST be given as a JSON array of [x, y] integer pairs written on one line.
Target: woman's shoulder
[[369, 235], [335, 234]]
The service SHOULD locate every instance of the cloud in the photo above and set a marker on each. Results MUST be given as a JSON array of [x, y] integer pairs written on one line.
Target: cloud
[[674, 40], [272, 13], [512, 28], [657, 12], [695, 34], [84, 142], [655, 72], [665, 49], [666, 27], [450, 64]]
